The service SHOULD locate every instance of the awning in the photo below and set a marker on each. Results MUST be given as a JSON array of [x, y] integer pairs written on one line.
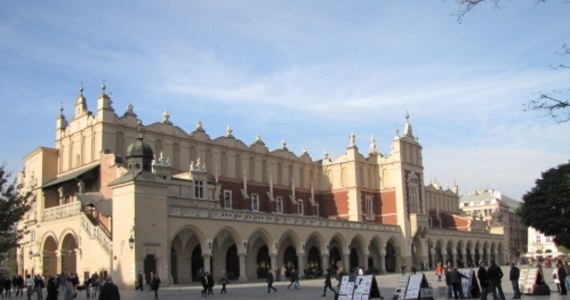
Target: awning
[[70, 176]]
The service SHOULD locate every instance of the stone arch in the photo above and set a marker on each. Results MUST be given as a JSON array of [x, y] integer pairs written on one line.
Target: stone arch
[[225, 247], [187, 246], [336, 247], [376, 253], [358, 252], [449, 250], [460, 254], [314, 248], [392, 250], [49, 247], [259, 245], [68, 250]]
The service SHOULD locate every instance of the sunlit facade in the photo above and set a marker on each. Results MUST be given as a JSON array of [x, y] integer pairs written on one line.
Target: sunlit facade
[[116, 196]]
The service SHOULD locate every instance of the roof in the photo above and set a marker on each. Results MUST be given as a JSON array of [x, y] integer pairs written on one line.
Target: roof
[[96, 199], [71, 175]]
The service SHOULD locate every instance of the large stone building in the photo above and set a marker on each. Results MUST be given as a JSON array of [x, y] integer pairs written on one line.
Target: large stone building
[[116, 196], [498, 211]]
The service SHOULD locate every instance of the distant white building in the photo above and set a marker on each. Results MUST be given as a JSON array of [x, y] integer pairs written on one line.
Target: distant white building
[[540, 245], [498, 211]]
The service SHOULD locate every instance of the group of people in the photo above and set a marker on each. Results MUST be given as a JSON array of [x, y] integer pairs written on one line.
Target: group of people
[[66, 285], [152, 281]]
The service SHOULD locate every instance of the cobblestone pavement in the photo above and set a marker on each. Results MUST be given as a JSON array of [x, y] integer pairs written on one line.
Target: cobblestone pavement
[[310, 289]]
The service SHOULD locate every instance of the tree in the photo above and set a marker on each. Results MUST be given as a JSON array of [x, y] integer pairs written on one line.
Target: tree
[[14, 204], [556, 103], [546, 207]]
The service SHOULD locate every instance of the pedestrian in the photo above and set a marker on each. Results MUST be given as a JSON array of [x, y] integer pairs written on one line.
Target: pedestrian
[[339, 274], [270, 283], [18, 283], [328, 284], [448, 282], [223, 281], [561, 274], [68, 293], [140, 277], [514, 275], [495, 276], [456, 282], [210, 283], [109, 291], [483, 277], [8, 288], [439, 271], [155, 284], [29, 286], [567, 280], [39, 284], [555, 279], [52, 290], [204, 281]]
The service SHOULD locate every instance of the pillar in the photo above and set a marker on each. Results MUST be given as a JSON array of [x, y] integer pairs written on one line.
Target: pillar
[[346, 262], [325, 262], [382, 263], [274, 266], [454, 257], [301, 263], [242, 270], [365, 265], [207, 265]]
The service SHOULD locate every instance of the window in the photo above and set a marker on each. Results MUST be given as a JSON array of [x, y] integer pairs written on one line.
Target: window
[[538, 238], [254, 202], [300, 207], [199, 189], [227, 199], [279, 205], [369, 207]]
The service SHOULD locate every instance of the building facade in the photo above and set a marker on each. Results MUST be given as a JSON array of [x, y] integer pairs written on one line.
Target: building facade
[[117, 197], [498, 212], [540, 246]]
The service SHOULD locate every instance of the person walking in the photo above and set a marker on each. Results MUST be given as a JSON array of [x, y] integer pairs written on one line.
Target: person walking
[[210, 283], [39, 286], [68, 293], [439, 271], [29, 286], [514, 275], [495, 276], [483, 277], [205, 283], [155, 284], [109, 291], [52, 290], [223, 281], [448, 282], [270, 283], [328, 283], [561, 274], [456, 282], [140, 278]]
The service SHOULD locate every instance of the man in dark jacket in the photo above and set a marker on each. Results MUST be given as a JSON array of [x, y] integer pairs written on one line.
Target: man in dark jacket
[[483, 277], [514, 275], [495, 276], [270, 283], [456, 282], [109, 291]]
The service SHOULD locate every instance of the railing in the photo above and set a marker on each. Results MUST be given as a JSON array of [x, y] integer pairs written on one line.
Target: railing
[[97, 232], [61, 211], [249, 216]]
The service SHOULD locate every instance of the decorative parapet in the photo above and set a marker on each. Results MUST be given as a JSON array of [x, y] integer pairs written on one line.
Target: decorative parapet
[[96, 232], [249, 216], [62, 211]]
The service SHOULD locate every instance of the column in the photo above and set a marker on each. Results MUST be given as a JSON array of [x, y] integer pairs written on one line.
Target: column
[[301, 263], [242, 270], [454, 257], [346, 262], [382, 263], [325, 262], [365, 265], [274, 266], [443, 256], [207, 265]]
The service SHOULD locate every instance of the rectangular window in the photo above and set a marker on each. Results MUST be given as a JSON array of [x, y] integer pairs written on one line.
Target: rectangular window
[[227, 199], [369, 208], [199, 189], [538, 238], [300, 207], [279, 205], [254, 202]]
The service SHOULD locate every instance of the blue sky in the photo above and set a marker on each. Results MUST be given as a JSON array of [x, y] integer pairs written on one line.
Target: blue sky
[[308, 72]]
